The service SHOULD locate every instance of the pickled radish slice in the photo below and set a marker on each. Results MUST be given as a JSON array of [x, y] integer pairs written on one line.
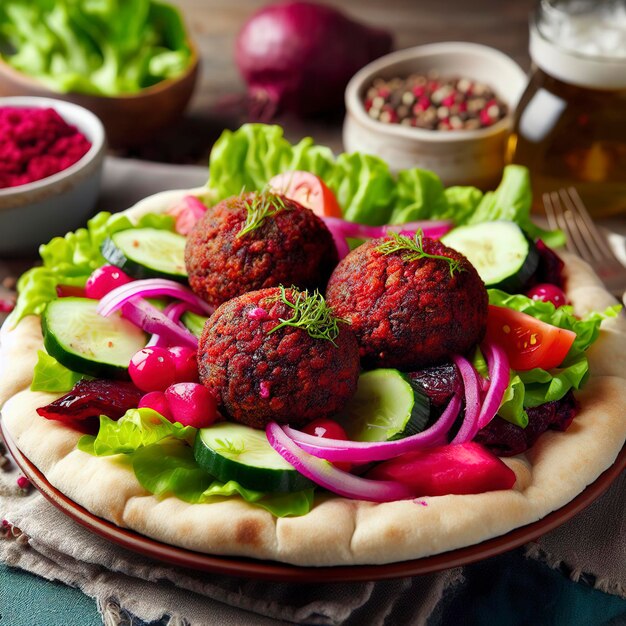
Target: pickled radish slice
[[186, 364], [105, 279], [152, 369], [157, 401], [191, 404]]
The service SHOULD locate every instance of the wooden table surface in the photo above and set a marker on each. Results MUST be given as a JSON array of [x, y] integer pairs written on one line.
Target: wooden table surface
[[217, 101]]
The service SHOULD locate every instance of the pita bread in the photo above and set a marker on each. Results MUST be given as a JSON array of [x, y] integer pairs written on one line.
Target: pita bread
[[336, 531]]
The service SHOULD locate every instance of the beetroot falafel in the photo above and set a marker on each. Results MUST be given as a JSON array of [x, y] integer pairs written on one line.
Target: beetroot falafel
[[254, 241], [278, 355], [412, 302]]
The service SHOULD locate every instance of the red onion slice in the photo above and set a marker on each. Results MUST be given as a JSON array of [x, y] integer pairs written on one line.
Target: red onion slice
[[150, 287], [325, 475], [173, 312], [499, 375], [338, 237], [147, 316], [366, 452], [469, 427]]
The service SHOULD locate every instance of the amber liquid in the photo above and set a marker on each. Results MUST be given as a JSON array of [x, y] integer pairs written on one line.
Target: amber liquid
[[568, 135]]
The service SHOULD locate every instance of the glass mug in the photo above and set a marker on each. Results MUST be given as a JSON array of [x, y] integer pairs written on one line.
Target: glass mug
[[570, 124]]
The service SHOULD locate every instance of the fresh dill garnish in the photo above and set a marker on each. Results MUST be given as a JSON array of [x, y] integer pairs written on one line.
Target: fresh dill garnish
[[311, 313], [227, 446], [414, 249], [263, 204]]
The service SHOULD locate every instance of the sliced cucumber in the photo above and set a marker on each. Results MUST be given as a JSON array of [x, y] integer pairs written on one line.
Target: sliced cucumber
[[502, 254], [194, 322], [386, 406], [86, 342], [235, 452], [147, 253]]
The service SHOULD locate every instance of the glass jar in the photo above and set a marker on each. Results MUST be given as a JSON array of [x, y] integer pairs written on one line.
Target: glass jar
[[570, 124]]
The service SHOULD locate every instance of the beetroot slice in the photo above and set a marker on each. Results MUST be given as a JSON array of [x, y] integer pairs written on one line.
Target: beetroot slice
[[439, 382], [550, 268], [81, 407], [453, 469], [506, 439]]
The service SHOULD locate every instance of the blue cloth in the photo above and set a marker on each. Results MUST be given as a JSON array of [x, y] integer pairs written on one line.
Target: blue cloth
[[508, 589]]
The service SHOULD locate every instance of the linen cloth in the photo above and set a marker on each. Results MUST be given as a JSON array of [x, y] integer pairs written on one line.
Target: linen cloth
[[39, 538]]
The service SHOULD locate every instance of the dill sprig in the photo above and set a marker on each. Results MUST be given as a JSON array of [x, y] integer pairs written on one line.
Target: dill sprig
[[413, 249], [262, 205], [311, 313]]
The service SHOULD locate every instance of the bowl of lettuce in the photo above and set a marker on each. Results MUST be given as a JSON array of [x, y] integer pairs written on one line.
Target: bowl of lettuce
[[130, 62]]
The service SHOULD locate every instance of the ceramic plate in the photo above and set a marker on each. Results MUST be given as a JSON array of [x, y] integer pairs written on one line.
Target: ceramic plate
[[271, 570]]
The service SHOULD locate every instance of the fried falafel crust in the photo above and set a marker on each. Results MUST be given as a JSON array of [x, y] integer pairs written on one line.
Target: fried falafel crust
[[292, 247], [409, 314], [285, 376]]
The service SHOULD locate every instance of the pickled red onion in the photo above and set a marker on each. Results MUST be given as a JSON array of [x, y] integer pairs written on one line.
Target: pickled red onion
[[325, 475]]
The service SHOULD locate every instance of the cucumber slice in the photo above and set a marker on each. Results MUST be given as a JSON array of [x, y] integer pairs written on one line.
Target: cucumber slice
[[502, 254], [86, 342], [193, 322], [386, 406], [147, 253], [236, 452]]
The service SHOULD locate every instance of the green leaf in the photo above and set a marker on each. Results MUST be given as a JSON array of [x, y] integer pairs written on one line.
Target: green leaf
[[94, 46], [365, 188], [69, 260], [50, 375], [169, 469], [194, 322], [512, 405], [135, 429]]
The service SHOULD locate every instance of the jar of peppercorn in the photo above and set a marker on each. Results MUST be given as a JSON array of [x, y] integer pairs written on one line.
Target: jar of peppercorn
[[570, 125], [444, 107]]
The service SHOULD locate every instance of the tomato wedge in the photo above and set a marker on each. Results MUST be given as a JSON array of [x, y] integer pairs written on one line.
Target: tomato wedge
[[527, 341], [308, 190]]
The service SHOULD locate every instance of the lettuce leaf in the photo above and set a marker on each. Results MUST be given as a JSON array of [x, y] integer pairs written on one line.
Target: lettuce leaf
[[134, 430], [69, 260], [168, 468], [162, 459], [537, 386], [246, 159], [50, 375], [97, 47]]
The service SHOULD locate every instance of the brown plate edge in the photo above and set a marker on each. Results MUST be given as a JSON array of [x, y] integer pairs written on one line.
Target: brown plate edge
[[284, 572]]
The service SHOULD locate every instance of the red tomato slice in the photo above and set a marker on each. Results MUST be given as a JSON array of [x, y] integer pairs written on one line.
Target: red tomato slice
[[308, 190], [527, 341]]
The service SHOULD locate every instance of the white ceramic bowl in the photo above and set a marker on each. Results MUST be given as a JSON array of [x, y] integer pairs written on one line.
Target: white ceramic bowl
[[459, 157], [34, 213]]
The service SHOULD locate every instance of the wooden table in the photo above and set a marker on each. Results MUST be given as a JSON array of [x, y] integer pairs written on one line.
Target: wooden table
[[218, 99]]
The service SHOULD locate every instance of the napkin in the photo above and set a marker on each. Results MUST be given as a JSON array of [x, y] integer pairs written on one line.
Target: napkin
[[37, 537]]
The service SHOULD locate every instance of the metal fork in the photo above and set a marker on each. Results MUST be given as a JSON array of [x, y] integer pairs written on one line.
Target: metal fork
[[565, 210]]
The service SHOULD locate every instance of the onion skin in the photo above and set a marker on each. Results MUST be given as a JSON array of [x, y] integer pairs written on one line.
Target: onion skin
[[299, 56]]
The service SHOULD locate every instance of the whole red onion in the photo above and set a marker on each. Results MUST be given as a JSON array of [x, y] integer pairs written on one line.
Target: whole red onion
[[299, 56]]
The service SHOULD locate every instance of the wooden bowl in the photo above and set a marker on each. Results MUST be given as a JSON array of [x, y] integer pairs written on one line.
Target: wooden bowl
[[129, 120]]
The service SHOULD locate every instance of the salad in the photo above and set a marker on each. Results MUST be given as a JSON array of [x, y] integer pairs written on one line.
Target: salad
[[443, 341]]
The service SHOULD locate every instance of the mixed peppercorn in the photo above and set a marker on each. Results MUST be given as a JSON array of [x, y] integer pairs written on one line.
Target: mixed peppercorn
[[434, 103]]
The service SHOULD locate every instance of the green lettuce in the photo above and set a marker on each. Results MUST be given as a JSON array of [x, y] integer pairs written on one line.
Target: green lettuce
[[50, 375], [134, 430], [169, 468], [162, 460], [105, 47], [537, 386], [69, 260], [246, 159]]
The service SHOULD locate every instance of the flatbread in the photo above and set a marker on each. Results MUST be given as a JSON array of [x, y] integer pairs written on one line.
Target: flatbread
[[337, 531]]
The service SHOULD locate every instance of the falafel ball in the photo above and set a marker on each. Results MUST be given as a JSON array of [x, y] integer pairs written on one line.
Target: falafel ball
[[254, 241], [409, 310], [263, 370]]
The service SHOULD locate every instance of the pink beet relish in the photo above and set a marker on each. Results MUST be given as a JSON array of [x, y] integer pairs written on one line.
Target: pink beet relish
[[36, 143]]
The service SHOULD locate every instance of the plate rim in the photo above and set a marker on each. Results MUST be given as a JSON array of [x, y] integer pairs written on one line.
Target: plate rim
[[285, 572]]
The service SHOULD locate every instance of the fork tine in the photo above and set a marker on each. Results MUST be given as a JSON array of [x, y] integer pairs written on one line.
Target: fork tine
[[602, 245], [556, 219], [579, 231]]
